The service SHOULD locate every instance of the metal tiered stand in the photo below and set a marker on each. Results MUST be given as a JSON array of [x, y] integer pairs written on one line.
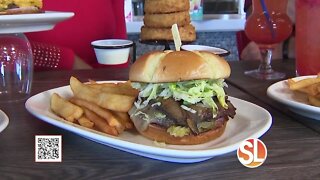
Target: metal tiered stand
[[165, 43]]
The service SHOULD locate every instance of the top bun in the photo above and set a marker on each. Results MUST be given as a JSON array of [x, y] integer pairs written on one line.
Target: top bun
[[174, 66]]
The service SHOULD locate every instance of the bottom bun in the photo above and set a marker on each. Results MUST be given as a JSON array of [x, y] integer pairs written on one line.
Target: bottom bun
[[159, 134]]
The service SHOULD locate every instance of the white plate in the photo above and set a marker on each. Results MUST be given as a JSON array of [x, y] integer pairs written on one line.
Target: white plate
[[296, 101], [4, 120], [250, 121], [215, 50], [20, 23]]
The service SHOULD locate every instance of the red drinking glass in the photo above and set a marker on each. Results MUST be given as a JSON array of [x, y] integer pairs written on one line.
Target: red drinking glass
[[267, 26], [307, 37]]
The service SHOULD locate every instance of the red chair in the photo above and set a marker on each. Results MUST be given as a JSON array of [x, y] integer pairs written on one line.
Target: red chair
[[50, 57], [242, 39], [93, 20]]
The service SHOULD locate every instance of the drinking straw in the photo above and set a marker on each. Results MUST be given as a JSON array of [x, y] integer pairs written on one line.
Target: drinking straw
[[267, 15]]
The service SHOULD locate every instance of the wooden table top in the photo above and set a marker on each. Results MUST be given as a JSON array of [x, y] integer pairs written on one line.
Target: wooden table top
[[293, 143]]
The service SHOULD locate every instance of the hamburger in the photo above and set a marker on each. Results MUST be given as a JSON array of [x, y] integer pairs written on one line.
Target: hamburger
[[181, 96], [20, 7]]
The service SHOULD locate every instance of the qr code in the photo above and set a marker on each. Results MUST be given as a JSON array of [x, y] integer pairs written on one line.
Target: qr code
[[48, 148]]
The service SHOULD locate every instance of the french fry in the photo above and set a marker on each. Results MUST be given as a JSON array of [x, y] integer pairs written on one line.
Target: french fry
[[64, 108], [103, 113], [126, 84], [313, 89], [303, 83], [128, 89], [110, 101], [290, 82], [100, 106], [85, 122], [115, 89], [124, 119], [101, 85], [314, 101], [309, 86], [91, 81], [303, 90], [100, 123]]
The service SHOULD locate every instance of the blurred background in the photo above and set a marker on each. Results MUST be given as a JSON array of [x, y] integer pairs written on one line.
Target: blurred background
[[216, 23]]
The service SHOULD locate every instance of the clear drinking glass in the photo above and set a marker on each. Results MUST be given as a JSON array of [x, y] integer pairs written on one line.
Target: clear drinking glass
[[268, 25], [16, 67]]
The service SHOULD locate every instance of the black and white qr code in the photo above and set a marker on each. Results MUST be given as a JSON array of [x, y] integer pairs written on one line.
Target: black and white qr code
[[48, 148]]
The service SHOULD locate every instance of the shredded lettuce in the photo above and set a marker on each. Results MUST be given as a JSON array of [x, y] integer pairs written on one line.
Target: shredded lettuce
[[191, 92]]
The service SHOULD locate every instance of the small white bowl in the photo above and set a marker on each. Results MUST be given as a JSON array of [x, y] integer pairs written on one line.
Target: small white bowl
[[112, 51], [215, 50]]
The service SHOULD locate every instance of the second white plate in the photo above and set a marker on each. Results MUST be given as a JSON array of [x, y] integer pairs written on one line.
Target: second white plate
[[20, 23], [4, 120], [251, 121], [296, 101]]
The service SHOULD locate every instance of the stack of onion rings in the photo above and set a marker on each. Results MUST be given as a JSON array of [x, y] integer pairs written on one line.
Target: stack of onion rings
[[160, 15]]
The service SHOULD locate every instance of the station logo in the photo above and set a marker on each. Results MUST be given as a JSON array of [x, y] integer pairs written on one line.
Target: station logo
[[252, 153]]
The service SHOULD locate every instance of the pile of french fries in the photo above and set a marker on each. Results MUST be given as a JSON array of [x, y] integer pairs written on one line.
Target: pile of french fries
[[309, 86], [100, 106]]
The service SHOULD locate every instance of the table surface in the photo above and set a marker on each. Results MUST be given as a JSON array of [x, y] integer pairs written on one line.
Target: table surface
[[293, 141]]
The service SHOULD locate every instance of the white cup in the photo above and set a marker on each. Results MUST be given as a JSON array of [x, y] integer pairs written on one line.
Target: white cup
[[112, 51]]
